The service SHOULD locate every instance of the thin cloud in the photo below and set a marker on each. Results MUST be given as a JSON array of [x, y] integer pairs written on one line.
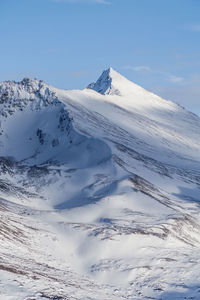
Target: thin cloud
[[82, 1], [194, 27], [186, 95], [102, 1], [138, 68], [175, 79], [166, 76]]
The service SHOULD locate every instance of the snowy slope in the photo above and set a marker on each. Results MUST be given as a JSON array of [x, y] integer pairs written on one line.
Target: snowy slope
[[99, 193]]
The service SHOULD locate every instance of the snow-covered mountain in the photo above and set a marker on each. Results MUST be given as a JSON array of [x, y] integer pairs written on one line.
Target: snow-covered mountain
[[99, 192]]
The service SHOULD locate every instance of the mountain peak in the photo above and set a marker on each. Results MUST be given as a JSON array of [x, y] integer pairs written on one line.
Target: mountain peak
[[111, 72], [28, 81], [113, 83], [104, 85], [28, 92]]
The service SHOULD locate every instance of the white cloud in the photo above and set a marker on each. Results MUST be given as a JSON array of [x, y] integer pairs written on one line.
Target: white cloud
[[175, 79], [82, 1], [138, 68]]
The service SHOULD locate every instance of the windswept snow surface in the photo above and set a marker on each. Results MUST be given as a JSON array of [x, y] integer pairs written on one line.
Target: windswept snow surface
[[99, 192]]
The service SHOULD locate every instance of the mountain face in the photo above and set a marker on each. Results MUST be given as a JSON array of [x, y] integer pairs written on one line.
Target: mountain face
[[100, 193]]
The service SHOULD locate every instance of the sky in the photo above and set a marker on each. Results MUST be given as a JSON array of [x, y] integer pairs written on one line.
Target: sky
[[68, 43]]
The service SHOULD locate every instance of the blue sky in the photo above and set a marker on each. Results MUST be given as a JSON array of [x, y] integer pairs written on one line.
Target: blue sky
[[67, 43]]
